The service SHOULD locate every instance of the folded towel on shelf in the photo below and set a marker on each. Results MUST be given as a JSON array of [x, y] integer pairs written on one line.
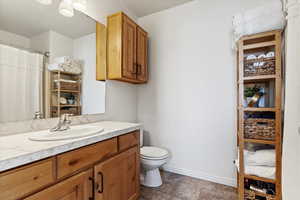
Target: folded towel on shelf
[[261, 171], [54, 67], [260, 158], [63, 60], [71, 66], [65, 80], [268, 17]]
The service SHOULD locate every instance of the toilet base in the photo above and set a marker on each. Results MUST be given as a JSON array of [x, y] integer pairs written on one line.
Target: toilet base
[[151, 178]]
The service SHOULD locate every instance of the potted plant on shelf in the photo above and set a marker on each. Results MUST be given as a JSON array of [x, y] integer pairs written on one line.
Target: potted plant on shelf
[[252, 96]]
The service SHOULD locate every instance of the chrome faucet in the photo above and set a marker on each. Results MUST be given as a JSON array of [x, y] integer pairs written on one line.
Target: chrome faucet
[[64, 123]]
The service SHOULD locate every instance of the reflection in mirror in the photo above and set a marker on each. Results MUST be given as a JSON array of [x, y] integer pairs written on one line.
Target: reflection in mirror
[[47, 62]]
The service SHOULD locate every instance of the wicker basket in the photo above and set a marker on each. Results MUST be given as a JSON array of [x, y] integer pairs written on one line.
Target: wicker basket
[[261, 129], [66, 86], [267, 69], [73, 111], [249, 195], [270, 198]]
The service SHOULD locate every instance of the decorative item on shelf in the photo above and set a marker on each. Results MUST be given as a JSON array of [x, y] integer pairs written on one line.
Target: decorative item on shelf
[[252, 95], [63, 101], [71, 99]]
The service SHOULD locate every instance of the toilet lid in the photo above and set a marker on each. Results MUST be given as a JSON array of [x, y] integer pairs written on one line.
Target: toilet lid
[[154, 153]]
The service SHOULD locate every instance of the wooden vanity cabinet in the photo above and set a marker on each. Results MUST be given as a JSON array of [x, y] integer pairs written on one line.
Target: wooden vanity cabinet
[[107, 170], [117, 178], [126, 50]]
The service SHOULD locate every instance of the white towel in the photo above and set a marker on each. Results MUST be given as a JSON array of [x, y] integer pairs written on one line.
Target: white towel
[[54, 67], [63, 60], [260, 158], [261, 19], [261, 171]]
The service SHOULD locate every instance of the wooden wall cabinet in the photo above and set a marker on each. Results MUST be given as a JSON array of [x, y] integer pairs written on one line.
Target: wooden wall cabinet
[[107, 170], [126, 50]]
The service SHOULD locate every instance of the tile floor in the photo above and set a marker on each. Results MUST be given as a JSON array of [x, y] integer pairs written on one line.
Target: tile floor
[[178, 187]]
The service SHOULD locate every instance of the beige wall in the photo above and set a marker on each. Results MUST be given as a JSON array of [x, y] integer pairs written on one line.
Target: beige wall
[[291, 146], [189, 104]]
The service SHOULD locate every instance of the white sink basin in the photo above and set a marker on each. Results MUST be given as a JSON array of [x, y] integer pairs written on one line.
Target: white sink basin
[[72, 133]]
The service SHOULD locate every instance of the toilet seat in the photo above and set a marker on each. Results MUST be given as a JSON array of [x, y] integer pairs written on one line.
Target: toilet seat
[[154, 153]]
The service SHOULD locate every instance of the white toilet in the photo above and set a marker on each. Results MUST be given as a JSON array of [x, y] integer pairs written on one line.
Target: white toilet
[[151, 159]]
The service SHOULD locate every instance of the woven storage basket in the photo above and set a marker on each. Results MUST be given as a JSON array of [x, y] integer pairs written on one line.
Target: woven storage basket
[[267, 69], [67, 86], [249, 195], [261, 129], [70, 111]]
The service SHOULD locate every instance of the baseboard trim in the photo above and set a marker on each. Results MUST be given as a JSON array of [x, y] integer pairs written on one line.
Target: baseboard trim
[[201, 175]]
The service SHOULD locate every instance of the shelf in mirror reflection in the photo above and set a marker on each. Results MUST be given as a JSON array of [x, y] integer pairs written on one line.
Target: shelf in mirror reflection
[[254, 109], [57, 43], [66, 106], [66, 91]]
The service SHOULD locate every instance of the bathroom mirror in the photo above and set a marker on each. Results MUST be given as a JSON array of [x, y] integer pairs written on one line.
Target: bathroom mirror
[[47, 62]]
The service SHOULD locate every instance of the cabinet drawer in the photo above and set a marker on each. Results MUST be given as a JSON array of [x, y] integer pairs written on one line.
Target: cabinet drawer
[[129, 140], [75, 188], [72, 161], [22, 181]]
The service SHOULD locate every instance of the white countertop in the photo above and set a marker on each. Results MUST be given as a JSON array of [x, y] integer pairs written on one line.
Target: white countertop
[[17, 150]]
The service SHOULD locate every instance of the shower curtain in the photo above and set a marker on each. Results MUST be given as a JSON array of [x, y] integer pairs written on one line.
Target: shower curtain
[[21, 88]]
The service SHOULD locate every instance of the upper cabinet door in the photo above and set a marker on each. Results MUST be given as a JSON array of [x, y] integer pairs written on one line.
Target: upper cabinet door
[[126, 50], [142, 58], [129, 48], [118, 177]]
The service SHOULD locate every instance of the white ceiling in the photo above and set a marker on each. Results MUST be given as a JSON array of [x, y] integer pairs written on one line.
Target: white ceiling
[[145, 7], [29, 18]]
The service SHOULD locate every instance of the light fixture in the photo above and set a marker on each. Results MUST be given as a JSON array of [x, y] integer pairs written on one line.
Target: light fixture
[[80, 5], [66, 8], [45, 2]]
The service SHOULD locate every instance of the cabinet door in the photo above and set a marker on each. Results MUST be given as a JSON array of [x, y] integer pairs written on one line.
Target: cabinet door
[[78, 187], [142, 58], [118, 177], [129, 66], [132, 174]]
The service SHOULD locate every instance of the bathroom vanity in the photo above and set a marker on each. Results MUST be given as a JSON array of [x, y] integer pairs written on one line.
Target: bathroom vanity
[[104, 166]]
